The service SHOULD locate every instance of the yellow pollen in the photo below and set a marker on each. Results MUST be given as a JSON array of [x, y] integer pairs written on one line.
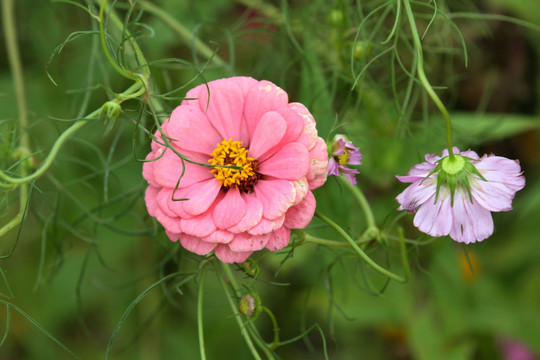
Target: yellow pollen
[[230, 152], [344, 159]]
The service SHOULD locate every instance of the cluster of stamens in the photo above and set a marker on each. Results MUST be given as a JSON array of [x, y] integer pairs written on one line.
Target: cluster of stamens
[[230, 153], [344, 159]]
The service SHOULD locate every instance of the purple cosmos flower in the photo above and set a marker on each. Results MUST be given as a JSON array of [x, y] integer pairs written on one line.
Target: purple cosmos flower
[[344, 153], [456, 196]]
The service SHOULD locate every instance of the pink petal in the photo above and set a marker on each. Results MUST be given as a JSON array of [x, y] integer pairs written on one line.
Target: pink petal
[[309, 135], [245, 83], [148, 169], [295, 124], [172, 236], [302, 189], [158, 141], [247, 242], [493, 196], [172, 224], [299, 216], [192, 96], [164, 200], [417, 173], [260, 99], [318, 170], [469, 153], [230, 210], [189, 129], [276, 196], [253, 215], [201, 196], [219, 236], [416, 194], [224, 106], [291, 162], [150, 198], [482, 222], [499, 164], [196, 245], [471, 222], [168, 169], [228, 256], [200, 225], [435, 217], [176, 206], [267, 134], [266, 226], [279, 239]]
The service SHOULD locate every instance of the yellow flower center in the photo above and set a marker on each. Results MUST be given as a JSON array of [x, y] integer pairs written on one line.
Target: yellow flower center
[[230, 152], [344, 159]]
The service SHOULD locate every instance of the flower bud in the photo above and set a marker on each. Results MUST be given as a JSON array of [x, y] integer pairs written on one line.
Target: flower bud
[[335, 17], [111, 110], [343, 153], [251, 268], [250, 305], [362, 50]]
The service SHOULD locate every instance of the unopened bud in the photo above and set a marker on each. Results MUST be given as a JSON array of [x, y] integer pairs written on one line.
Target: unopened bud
[[111, 110], [251, 268], [250, 305]]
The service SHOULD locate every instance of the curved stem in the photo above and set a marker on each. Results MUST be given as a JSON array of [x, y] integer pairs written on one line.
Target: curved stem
[[54, 151], [105, 46], [361, 252], [184, 33], [423, 79], [200, 317], [12, 48], [275, 327], [359, 195], [234, 307]]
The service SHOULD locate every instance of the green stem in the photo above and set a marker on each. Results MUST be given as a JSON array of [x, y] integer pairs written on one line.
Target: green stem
[[12, 48], [275, 327], [105, 46], [130, 92], [200, 316], [53, 152], [361, 252], [368, 235], [359, 195], [423, 79], [183, 32], [234, 307]]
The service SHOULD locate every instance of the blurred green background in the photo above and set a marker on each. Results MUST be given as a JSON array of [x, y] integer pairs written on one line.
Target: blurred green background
[[87, 248]]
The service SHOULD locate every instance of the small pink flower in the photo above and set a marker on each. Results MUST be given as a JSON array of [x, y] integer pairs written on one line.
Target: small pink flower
[[344, 153], [457, 198], [246, 123], [513, 349]]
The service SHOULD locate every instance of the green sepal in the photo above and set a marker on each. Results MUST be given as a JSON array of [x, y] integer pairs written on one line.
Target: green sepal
[[441, 179], [472, 169], [437, 168], [463, 179], [452, 183]]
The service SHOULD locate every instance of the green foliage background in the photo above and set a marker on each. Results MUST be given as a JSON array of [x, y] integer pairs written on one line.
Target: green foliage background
[[87, 248]]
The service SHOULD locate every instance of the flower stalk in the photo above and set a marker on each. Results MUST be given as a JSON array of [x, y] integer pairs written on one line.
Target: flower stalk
[[423, 78]]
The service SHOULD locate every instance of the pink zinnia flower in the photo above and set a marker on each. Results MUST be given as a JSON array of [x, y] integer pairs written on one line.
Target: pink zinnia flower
[[344, 153], [246, 123], [456, 197]]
